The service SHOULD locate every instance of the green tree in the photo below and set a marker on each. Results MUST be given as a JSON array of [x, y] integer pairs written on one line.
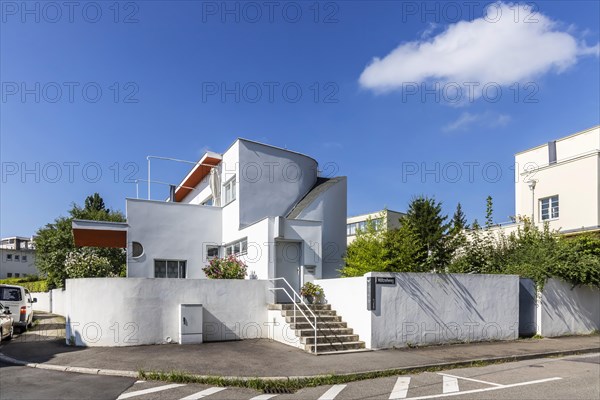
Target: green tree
[[366, 253], [403, 250], [424, 217], [54, 242]]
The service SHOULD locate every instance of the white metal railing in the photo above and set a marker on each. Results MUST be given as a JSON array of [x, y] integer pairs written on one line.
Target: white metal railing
[[296, 306]]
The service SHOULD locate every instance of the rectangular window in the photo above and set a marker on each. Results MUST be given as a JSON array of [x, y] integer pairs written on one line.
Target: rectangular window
[[16, 257], [212, 251], [351, 229], [17, 275], [9, 257], [237, 248], [169, 269], [229, 189], [10, 294], [9, 274], [549, 208], [24, 258]]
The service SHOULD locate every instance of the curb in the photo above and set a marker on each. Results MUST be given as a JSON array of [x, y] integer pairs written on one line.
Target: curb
[[415, 368]]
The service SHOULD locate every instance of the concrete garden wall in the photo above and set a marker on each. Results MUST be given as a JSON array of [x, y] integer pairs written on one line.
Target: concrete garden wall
[[136, 311], [52, 301], [422, 308], [567, 310]]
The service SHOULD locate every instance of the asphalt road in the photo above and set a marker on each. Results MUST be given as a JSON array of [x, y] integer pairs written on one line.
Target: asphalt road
[[18, 382], [573, 377]]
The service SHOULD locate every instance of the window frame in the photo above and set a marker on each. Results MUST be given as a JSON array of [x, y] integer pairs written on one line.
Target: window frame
[[229, 248], [181, 266], [552, 209], [230, 186], [212, 247]]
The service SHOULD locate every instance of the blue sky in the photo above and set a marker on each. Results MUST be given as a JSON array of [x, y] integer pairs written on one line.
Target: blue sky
[[362, 117]]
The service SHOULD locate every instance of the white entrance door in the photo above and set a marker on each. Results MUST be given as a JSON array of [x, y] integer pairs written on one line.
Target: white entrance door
[[287, 265]]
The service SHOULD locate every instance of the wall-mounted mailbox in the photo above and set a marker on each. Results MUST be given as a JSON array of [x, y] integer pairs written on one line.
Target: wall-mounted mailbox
[[190, 323]]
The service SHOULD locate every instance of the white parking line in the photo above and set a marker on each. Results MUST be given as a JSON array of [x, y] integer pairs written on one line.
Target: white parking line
[[435, 396], [332, 392], [450, 384], [264, 397], [400, 390], [203, 393], [151, 390], [470, 379]]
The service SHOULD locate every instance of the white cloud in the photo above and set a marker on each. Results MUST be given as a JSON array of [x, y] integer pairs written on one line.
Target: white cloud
[[468, 120], [491, 49]]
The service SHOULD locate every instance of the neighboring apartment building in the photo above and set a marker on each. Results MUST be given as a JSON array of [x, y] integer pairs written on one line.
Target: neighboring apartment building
[[264, 204], [559, 183], [17, 257], [384, 219]]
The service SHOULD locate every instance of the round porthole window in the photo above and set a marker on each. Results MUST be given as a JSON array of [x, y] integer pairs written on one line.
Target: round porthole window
[[136, 249]]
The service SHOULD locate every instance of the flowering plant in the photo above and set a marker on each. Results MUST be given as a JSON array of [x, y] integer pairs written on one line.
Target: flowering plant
[[226, 268], [309, 289]]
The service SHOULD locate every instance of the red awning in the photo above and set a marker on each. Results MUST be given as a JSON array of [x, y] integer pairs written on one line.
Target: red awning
[[100, 233]]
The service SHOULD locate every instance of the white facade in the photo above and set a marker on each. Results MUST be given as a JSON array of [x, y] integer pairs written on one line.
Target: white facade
[[17, 257], [559, 183], [384, 219], [270, 209]]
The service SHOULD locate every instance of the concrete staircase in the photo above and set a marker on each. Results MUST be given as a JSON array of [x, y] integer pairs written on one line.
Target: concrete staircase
[[333, 335]]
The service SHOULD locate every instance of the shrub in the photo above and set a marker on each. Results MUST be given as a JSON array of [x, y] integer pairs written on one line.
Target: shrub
[[312, 290], [87, 264], [31, 283], [226, 268]]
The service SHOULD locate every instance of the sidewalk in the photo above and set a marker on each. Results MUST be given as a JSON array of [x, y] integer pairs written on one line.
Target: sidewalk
[[264, 358]]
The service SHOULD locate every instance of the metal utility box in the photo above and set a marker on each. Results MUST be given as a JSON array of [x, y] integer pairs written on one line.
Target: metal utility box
[[190, 323]]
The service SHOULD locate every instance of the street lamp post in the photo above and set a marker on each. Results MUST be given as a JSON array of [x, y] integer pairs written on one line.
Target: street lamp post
[[532, 184]]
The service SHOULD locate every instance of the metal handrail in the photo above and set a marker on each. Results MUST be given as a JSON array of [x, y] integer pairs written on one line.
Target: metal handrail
[[293, 299]]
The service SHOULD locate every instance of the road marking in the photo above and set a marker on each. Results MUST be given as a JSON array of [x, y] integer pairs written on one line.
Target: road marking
[[151, 390], [470, 379], [264, 397], [400, 390], [435, 396], [203, 393], [450, 384], [332, 392]]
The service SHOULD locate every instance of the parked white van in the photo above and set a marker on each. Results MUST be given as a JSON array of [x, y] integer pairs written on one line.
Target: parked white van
[[18, 300]]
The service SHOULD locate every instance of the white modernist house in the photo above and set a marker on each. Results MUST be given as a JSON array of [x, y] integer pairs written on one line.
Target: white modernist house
[[17, 257], [266, 205], [383, 220], [559, 183]]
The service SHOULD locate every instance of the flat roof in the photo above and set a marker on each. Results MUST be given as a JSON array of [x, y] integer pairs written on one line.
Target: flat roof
[[374, 212], [559, 140]]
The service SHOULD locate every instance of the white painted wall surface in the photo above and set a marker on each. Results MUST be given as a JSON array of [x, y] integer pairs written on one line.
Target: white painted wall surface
[[577, 156], [425, 308], [172, 231], [348, 296], [568, 310], [331, 209], [59, 300], [43, 301], [271, 180], [138, 311]]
